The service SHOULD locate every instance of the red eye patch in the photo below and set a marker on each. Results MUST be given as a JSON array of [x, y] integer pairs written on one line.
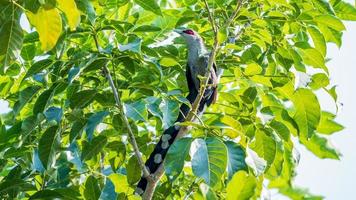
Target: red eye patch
[[189, 32]]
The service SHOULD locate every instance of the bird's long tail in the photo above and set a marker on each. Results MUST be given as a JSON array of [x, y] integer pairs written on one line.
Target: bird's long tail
[[169, 135]]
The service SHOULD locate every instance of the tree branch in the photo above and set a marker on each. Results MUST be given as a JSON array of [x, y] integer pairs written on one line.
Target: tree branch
[[192, 113], [120, 106]]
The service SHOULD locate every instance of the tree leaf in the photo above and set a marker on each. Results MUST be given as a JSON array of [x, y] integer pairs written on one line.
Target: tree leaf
[[133, 170], [48, 146], [136, 111], [50, 29], [345, 11], [236, 158], [174, 162], [147, 28], [11, 38], [327, 124], [150, 5], [81, 98], [38, 67], [330, 21], [318, 39], [42, 101], [313, 58], [120, 183], [257, 164], [25, 96], [134, 46], [307, 114], [265, 146], [170, 110], [93, 121], [209, 160], [242, 186], [72, 13], [321, 147], [91, 189], [92, 148], [54, 113]]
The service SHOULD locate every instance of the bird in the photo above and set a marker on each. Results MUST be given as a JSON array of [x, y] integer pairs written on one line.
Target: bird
[[197, 64]]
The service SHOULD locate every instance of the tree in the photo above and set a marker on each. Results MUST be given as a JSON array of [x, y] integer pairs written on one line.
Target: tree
[[94, 83]]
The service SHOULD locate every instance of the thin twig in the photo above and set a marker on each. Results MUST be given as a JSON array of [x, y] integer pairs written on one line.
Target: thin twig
[[233, 16], [120, 106]]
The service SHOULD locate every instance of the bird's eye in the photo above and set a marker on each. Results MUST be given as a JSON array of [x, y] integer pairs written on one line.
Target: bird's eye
[[189, 32]]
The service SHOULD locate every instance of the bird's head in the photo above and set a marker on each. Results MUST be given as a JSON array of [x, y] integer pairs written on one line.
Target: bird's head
[[190, 36]]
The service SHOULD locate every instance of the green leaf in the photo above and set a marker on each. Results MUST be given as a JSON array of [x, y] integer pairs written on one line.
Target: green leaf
[[313, 58], [257, 164], [321, 147], [38, 67], [209, 160], [281, 129], [91, 189], [327, 124], [265, 146], [324, 6], [134, 46], [236, 158], [96, 64], [150, 5], [242, 186], [48, 146], [133, 169], [318, 40], [170, 110], [54, 113], [8, 185], [94, 147], [307, 114], [11, 38], [136, 111], [174, 162], [330, 21], [147, 28], [120, 183], [50, 29], [59, 193], [25, 96], [168, 62], [319, 80], [93, 121], [72, 13], [28, 52], [117, 154], [82, 98], [42, 101], [331, 35], [345, 11]]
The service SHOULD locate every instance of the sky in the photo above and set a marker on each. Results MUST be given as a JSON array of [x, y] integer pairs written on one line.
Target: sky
[[331, 178]]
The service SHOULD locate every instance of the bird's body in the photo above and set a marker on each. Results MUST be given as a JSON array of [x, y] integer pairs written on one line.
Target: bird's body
[[197, 64]]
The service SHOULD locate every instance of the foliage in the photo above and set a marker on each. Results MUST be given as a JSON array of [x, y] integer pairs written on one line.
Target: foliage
[[65, 137]]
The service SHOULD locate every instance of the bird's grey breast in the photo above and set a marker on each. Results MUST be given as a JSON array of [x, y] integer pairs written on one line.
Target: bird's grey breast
[[198, 67]]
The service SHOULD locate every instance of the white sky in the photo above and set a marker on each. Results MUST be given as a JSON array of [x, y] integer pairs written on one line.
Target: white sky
[[330, 178]]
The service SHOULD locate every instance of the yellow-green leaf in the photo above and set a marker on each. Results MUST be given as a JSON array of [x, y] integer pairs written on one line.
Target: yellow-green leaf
[[242, 186], [48, 24], [330, 21], [71, 11]]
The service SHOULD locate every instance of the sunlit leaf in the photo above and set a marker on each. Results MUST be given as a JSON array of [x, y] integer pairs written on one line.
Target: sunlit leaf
[[50, 29], [209, 160]]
